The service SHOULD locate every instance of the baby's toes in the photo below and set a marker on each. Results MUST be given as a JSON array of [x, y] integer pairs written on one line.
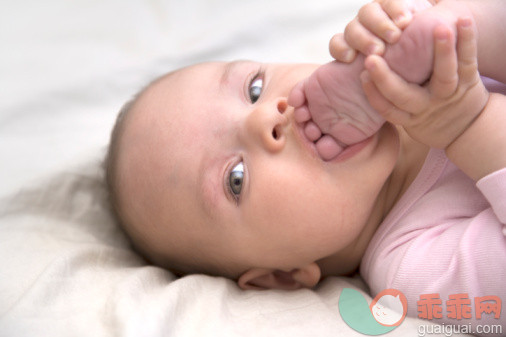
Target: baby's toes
[[301, 114], [297, 98], [312, 131], [328, 148]]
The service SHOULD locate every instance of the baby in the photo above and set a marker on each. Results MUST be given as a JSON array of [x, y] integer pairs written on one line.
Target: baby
[[211, 170]]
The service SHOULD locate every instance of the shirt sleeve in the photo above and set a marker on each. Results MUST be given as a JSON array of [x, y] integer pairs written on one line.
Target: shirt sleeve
[[493, 187], [454, 249]]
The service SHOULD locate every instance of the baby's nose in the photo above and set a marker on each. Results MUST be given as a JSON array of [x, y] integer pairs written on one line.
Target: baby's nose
[[267, 124], [282, 106]]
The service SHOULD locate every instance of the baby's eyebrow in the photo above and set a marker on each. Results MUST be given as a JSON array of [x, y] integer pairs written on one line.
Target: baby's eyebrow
[[208, 185], [229, 69]]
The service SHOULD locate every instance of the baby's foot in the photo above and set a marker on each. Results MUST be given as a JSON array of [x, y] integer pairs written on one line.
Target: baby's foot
[[333, 107], [331, 103]]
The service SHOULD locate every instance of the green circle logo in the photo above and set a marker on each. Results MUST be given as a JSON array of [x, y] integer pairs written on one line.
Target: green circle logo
[[385, 313]]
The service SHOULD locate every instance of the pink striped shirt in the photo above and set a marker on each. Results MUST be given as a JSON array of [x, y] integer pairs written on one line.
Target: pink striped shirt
[[445, 236]]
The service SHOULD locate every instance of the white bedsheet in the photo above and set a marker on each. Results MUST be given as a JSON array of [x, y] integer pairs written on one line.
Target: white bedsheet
[[66, 67]]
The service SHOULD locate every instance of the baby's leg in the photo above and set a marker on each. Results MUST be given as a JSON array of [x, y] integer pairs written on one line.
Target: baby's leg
[[331, 101]]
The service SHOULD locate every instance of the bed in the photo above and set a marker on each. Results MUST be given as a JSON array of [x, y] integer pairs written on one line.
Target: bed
[[66, 269]]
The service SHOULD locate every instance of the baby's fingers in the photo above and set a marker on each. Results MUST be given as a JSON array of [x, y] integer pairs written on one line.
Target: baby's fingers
[[444, 79], [405, 96], [383, 106], [340, 50], [401, 11], [373, 18], [467, 50], [398, 11], [360, 38]]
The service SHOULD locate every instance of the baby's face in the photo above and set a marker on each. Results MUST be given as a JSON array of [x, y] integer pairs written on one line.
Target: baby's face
[[214, 168]]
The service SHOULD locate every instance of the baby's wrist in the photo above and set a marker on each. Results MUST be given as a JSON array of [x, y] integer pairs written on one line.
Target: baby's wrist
[[467, 127], [481, 148]]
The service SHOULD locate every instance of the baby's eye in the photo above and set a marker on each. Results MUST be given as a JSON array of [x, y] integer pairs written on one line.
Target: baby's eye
[[236, 178], [255, 89]]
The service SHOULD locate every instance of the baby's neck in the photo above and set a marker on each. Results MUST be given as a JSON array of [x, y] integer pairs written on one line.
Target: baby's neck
[[411, 158], [347, 260]]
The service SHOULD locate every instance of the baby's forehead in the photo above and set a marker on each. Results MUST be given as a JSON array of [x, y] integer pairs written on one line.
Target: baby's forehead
[[156, 141], [152, 88], [172, 122], [159, 88]]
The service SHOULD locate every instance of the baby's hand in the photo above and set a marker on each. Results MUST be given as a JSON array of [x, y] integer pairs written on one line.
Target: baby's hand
[[377, 23], [439, 112]]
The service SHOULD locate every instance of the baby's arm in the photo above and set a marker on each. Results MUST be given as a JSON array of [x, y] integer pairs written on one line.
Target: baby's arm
[[380, 22], [454, 111], [481, 150]]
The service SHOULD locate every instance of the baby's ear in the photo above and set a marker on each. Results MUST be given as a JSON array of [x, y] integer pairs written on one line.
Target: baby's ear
[[262, 278]]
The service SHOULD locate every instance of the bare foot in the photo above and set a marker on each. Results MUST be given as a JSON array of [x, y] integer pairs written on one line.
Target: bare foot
[[331, 102]]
